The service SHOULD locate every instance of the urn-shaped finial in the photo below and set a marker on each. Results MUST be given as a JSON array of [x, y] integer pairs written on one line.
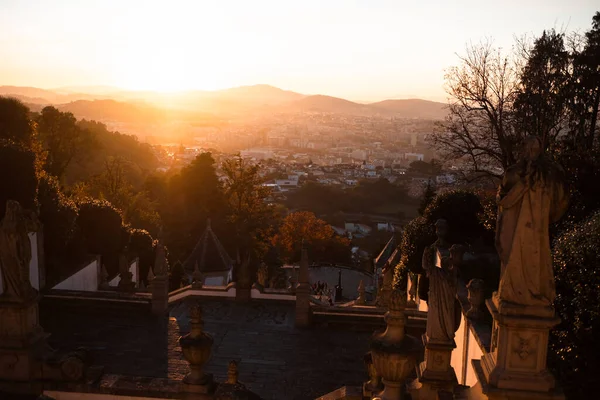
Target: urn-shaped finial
[[232, 372], [196, 347]]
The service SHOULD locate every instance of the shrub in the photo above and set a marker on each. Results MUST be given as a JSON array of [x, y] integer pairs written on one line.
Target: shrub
[[141, 245], [18, 176], [58, 215], [575, 343], [101, 227], [462, 210]]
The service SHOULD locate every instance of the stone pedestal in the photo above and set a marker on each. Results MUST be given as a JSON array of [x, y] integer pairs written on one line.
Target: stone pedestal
[[517, 358], [303, 305], [435, 374], [160, 295], [21, 340], [197, 348]]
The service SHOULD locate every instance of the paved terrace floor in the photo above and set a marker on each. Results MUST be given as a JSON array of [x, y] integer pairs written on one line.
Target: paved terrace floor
[[276, 360]]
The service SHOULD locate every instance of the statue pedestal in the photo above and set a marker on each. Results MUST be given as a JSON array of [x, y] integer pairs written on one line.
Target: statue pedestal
[[517, 358], [21, 341], [435, 374]]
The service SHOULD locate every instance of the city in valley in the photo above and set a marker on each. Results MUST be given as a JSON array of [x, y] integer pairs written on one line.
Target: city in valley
[[340, 200]]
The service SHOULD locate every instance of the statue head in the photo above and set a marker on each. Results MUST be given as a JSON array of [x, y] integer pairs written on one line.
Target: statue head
[[532, 148], [441, 229]]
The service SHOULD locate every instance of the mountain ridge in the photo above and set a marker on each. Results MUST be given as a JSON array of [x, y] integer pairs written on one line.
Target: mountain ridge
[[239, 100]]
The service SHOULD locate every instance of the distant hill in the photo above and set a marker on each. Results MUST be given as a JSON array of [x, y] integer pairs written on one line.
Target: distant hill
[[320, 103], [42, 96], [413, 108], [104, 102]]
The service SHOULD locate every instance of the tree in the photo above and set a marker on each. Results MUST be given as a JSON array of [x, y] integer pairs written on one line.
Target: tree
[[102, 231], [586, 102], [428, 197], [575, 342], [480, 126], [304, 227], [15, 124], [135, 205], [62, 139], [18, 176], [58, 215], [545, 88], [141, 244], [251, 217]]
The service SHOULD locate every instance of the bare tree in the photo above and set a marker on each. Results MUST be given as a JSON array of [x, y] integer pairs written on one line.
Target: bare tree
[[479, 129]]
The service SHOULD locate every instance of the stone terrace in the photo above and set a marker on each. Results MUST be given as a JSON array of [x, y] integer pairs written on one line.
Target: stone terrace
[[277, 361]]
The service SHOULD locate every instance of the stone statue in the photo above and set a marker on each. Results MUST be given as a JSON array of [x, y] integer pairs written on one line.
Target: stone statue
[[15, 252], [532, 195], [440, 262]]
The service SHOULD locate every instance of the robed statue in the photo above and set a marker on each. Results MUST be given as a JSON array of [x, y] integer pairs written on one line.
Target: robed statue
[[532, 196], [440, 262], [15, 252]]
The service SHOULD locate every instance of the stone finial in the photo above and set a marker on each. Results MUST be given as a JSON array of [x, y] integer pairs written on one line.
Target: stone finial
[[232, 372], [151, 276], [303, 276], [197, 348], [476, 296], [394, 353], [197, 279], [361, 300], [103, 284]]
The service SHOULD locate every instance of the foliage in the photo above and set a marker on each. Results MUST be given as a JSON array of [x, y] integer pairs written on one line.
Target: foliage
[[102, 230], [427, 168], [58, 215], [252, 218], [15, 125], [550, 88], [418, 234], [111, 145], [141, 244], [575, 343], [18, 177], [465, 215], [62, 140], [304, 227], [192, 196], [367, 197], [479, 127], [114, 186], [400, 277], [540, 106], [428, 197], [461, 208]]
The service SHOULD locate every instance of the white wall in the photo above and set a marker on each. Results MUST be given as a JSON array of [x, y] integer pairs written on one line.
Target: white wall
[[467, 349], [85, 279]]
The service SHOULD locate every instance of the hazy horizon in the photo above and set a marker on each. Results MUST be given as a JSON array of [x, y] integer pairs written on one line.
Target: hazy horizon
[[353, 49]]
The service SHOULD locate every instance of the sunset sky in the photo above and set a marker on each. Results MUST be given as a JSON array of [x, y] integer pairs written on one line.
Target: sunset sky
[[356, 49]]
